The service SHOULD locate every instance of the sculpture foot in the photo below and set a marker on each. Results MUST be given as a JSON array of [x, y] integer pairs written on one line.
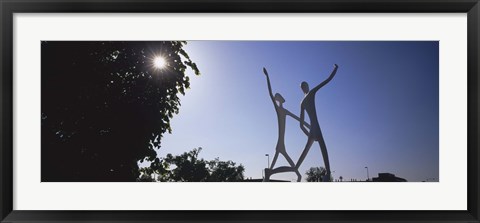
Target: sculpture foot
[[299, 176], [326, 178], [268, 173]]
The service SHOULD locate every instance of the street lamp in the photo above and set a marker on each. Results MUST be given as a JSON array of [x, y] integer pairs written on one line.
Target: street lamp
[[368, 176], [268, 160]]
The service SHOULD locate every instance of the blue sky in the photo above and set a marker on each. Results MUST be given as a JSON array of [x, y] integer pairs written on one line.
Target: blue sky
[[381, 110]]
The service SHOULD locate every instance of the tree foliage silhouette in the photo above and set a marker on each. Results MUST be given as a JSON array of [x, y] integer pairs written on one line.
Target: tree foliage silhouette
[[316, 174], [187, 167], [105, 107], [225, 171]]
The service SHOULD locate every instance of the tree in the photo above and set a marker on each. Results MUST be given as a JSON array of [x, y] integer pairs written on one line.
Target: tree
[[188, 167], [316, 174], [225, 171], [105, 106]]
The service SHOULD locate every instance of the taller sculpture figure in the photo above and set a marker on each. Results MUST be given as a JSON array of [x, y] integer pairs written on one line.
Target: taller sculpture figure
[[315, 133]]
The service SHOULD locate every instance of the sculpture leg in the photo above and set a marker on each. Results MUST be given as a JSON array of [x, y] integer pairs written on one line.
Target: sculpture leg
[[292, 164], [268, 171], [304, 153], [274, 160], [323, 148], [281, 169]]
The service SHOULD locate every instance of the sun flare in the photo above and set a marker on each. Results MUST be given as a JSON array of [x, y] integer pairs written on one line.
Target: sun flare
[[159, 62]]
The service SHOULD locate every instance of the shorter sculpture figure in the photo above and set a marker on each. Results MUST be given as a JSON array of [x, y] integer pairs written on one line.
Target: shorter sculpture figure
[[282, 113]]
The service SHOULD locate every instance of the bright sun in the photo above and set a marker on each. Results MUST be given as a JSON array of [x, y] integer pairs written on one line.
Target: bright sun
[[159, 62]]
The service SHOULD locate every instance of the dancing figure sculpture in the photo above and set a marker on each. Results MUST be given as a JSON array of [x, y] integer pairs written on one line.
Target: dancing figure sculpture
[[280, 148], [315, 134]]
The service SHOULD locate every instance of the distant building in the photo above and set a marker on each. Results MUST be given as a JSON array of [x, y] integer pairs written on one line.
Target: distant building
[[387, 177], [261, 180]]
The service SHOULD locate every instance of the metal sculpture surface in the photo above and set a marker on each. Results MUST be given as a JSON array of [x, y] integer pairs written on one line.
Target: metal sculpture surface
[[313, 132]]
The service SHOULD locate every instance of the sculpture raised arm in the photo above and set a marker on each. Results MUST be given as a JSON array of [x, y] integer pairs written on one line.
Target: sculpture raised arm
[[269, 86], [315, 89]]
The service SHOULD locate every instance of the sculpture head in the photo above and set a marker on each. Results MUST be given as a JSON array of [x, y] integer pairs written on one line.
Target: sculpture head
[[279, 99], [304, 87]]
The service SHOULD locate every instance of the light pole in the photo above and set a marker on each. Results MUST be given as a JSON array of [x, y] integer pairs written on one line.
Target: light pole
[[368, 176], [268, 160]]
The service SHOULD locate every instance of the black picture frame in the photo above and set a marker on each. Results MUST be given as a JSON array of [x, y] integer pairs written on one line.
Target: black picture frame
[[9, 7]]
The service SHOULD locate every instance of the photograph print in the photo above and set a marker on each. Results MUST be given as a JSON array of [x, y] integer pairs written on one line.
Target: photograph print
[[240, 111]]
